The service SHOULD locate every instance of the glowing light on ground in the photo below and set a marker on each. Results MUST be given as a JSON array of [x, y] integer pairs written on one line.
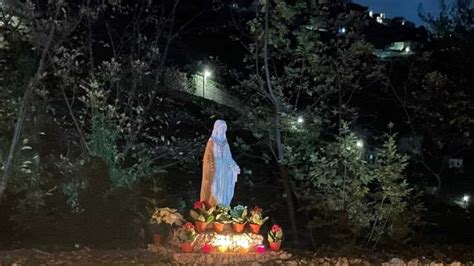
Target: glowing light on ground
[[232, 243]]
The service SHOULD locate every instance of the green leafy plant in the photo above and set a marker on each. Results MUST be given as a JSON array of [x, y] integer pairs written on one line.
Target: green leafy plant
[[351, 199], [275, 235], [202, 212], [222, 214], [187, 233], [239, 214], [256, 216]]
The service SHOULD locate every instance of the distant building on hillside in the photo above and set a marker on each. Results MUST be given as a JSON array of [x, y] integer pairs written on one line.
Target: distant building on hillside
[[396, 50]]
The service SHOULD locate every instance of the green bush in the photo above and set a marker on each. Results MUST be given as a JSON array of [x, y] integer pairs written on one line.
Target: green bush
[[351, 199]]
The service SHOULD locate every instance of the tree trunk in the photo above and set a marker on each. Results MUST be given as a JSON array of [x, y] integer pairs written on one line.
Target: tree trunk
[[285, 177], [276, 103], [23, 110]]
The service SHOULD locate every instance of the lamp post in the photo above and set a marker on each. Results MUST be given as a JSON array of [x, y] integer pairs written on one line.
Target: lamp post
[[465, 199], [360, 144], [205, 75], [300, 120]]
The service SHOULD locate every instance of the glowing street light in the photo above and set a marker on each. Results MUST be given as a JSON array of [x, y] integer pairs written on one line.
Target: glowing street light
[[466, 199], [207, 73], [300, 120], [360, 144]]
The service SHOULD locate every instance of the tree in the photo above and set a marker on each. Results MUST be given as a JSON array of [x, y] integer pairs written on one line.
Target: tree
[[141, 47], [453, 18], [44, 30], [349, 198], [433, 89], [307, 62]]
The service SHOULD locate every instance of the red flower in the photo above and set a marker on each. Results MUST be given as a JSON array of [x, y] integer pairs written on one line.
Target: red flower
[[189, 225], [206, 248], [198, 204], [276, 228], [201, 204]]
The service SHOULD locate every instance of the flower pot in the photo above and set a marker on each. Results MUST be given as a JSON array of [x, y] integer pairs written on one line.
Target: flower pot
[[187, 247], [275, 246], [238, 228], [200, 226], [218, 227], [157, 239], [254, 228]]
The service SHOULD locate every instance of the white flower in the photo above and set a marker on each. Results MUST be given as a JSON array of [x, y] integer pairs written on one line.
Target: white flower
[[167, 215]]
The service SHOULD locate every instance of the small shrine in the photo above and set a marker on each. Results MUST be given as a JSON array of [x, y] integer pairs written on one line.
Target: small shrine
[[221, 235], [226, 234]]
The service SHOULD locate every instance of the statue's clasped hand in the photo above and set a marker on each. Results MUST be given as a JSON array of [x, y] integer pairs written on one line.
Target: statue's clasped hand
[[236, 169]]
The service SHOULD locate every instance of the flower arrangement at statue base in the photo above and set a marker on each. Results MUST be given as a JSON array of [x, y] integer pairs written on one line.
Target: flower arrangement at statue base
[[256, 219], [234, 230], [275, 237], [187, 236], [203, 214], [162, 222]]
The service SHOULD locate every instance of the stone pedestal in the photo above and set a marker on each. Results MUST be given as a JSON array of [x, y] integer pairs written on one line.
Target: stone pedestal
[[228, 258]]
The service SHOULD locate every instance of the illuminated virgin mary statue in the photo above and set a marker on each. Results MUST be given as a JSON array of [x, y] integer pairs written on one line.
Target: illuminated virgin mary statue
[[219, 170]]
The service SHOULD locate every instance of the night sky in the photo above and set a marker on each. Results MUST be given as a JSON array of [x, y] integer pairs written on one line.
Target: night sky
[[401, 8]]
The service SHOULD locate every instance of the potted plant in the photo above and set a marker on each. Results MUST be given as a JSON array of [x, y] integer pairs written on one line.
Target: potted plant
[[222, 217], [275, 236], [256, 219], [239, 218], [187, 235], [202, 215], [162, 220]]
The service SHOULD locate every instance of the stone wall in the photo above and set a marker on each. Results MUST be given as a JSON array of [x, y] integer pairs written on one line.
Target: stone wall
[[193, 84], [213, 91]]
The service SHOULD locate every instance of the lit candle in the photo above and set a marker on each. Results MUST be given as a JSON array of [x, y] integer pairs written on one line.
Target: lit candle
[[243, 245], [222, 243]]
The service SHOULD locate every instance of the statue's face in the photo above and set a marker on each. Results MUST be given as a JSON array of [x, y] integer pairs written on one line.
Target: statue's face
[[221, 130]]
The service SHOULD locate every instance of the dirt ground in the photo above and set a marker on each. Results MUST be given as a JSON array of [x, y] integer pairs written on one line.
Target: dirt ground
[[86, 256], [82, 257]]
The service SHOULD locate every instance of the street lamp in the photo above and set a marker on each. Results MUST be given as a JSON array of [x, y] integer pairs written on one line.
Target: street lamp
[[206, 73], [300, 120], [360, 144], [465, 199]]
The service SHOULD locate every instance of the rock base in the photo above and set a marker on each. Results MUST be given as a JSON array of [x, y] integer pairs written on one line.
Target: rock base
[[228, 258]]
